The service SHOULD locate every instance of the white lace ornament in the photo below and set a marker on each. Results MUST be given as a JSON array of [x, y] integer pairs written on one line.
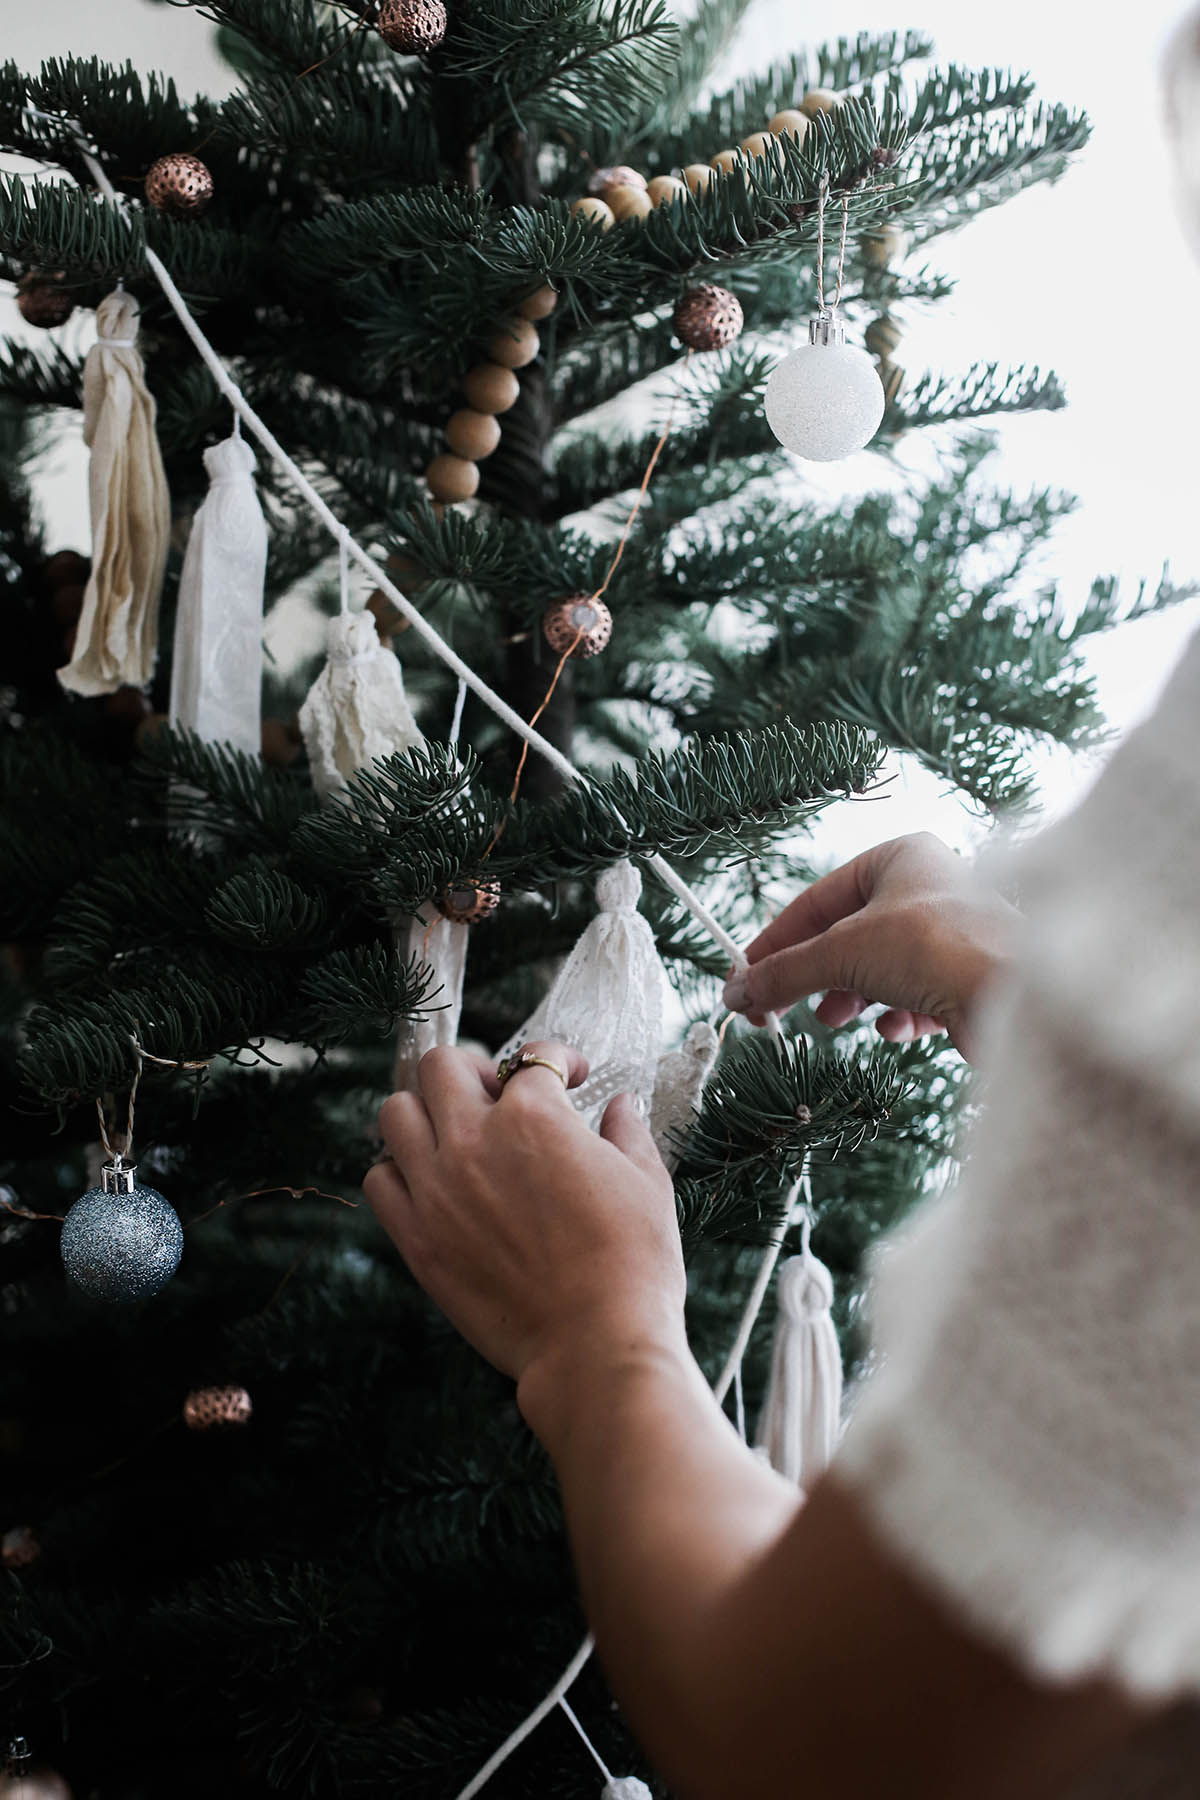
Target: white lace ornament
[[443, 947], [800, 1422], [678, 1089], [117, 636], [626, 1787], [607, 1000], [216, 670], [356, 710]]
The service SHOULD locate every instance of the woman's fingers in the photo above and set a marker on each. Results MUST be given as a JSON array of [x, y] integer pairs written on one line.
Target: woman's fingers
[[624, 1127], [838, 1008], [778, 981], [535, 1082], [452, 1087], [386, 1193], [835, 896], [406, 1127], [899, 1026]]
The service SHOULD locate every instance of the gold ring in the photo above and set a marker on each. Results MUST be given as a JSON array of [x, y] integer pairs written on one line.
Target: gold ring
[[525, 1059]]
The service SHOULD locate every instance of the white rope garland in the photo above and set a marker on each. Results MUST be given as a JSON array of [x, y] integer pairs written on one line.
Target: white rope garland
[[349, 548]]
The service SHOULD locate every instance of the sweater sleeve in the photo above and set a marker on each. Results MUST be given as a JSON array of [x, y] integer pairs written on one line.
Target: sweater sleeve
[[1031, 1441]]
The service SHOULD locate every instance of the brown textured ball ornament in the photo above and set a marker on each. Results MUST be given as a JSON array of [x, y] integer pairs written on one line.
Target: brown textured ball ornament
[[563, 622], [412, 26], [19, 1548], [43, 300], [698, 176], [595, 211], [708, 317], [206, 1407], [629, 202], [179, 183], [469, 901], [664, 190], [489, 388]]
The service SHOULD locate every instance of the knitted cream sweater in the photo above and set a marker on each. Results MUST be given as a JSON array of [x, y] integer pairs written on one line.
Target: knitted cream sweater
[[1031, 1443]]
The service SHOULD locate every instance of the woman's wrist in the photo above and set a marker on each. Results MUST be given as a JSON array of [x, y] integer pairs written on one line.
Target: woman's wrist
[[585, 1369]]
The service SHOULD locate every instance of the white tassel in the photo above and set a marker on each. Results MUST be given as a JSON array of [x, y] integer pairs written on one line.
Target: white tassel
[[679, 1088], [443, 946], [216, 669], [626, 1787], [800, 1421], [608, 999], [117, 637], [356, 710]]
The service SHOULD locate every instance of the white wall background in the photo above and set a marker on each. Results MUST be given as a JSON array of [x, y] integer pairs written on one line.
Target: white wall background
[[1090, 277]]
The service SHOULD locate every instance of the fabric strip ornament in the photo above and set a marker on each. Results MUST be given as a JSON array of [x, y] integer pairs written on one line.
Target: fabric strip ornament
[[608, 1000], [356, 710], [801, 1417], [216, 670], [442, 946], [117, 636], [679, 1088]]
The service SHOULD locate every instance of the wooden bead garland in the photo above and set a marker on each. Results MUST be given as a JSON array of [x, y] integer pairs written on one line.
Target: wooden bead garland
[[473, 432], [707, 317]]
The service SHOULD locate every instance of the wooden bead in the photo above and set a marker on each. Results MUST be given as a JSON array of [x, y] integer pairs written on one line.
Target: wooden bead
[[619, 176], [882, 336], [472, 434], [892, 377], [490, 388], [452, 478], [540, 304], [761, 144], [665, 189], [65, 568], [130, 705], [820, 100], [514, 343], [629, 202], [725, 160], [150, 728], [66, 602], [884, 247], [597, 210], [791, 122], [698, 176], [389, 620]]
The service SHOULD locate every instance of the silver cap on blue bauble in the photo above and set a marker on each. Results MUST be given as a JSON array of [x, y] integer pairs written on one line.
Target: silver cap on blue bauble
[[121, 1241]]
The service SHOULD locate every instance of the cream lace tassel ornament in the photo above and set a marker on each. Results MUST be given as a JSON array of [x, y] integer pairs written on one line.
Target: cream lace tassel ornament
[[607, 1000], [216, 672], [117, 637], [356, 710], [801, 1416], [679, 1089], [443, 946], [626, 1787]]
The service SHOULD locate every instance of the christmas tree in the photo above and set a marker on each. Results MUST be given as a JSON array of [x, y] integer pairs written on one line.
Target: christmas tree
[[435, 250]]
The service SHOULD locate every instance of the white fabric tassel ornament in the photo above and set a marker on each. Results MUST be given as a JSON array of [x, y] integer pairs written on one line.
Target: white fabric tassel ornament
[[356, 709], [443, 946], [216, 671], [801, 1416], [679, 1089], [608, 999], [626, 1787], [117, 636]]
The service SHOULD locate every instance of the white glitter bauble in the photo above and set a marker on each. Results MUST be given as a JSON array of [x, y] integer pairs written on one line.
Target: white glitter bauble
[[825, 400]]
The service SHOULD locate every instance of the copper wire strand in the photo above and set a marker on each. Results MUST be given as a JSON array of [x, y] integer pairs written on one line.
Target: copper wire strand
[[626, 532]]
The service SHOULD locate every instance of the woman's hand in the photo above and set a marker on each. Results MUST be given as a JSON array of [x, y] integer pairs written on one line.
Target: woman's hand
[[905, 923], [542, 1242]]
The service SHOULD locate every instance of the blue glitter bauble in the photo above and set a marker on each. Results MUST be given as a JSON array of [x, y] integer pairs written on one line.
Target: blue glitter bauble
[[121, 1246]]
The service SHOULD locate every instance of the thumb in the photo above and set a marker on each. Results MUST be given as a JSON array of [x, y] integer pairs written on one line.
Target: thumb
[[821, 963], [624, 1127]]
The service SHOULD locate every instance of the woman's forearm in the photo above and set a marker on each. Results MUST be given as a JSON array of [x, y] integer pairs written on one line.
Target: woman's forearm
[[668, 1513]]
